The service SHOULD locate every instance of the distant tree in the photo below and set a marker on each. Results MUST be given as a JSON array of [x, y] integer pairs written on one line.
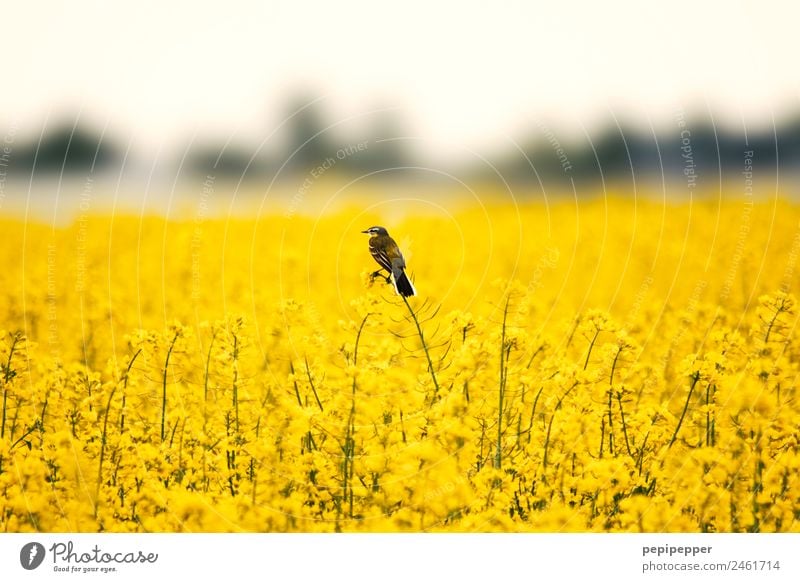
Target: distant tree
[[67, 149], [310, 141]]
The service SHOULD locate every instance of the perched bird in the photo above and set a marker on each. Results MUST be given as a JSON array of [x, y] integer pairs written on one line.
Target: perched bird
[[387, 254]]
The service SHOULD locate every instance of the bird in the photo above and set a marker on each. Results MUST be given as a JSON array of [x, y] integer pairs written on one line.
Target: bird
[[387, 254]]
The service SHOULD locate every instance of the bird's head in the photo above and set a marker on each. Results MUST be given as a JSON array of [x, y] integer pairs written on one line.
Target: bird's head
[[375, 230]]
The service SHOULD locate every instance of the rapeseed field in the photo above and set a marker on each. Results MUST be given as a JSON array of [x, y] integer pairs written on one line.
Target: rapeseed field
[[606, 365]]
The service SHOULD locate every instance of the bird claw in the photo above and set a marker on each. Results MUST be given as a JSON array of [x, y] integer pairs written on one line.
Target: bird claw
[[379, 274]]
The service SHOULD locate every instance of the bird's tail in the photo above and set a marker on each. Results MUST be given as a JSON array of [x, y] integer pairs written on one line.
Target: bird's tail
[[403, 285]]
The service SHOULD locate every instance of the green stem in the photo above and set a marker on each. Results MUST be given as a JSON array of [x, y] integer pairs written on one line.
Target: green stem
[[533, 412], [348, 448], [613, 367], [709, 416], [208, 365], [296, 387], [355, 349], [695, 379], [624, 425], [313, 388], [591, 346], [105, 429], [602, 434], [610, 427], [772, 323], [425, 348], [550, 424], [498, 455], [164, 385], [7, 375], [236, 379]]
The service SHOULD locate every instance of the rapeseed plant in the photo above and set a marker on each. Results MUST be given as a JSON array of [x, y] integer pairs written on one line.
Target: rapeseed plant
[[536, 386]]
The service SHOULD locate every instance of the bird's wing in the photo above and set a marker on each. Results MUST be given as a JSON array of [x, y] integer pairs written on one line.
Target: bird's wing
[[380, 255], [396, 260]]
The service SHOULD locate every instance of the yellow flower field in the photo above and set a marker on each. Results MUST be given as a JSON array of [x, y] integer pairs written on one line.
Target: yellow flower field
[[607, 364]]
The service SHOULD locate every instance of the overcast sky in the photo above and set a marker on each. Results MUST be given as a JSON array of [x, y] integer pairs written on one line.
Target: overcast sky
[[464, 75]]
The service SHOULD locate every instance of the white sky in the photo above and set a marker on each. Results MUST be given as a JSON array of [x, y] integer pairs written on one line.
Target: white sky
[[463, 74]]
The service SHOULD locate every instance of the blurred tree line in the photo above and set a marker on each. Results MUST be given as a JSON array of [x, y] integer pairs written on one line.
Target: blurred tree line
[[693, 150]]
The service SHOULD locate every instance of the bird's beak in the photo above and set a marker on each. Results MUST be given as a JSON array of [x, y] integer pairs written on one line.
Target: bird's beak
[[365, 231]]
